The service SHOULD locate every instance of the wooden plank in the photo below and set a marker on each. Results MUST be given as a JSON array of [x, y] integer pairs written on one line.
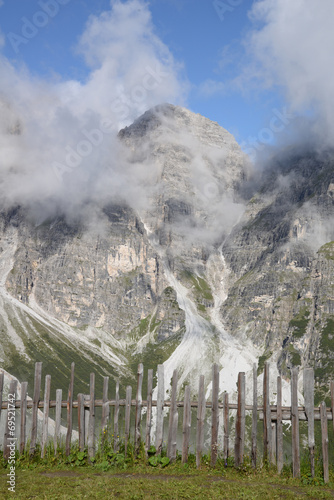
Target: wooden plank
[[186, 424], [226, 428], [139, 400], [254, 418], [2, 377], [57, 439], [149, 410], [279, 427], [91, 428], [267, 439], [309, 410], [45, 430], [37, 390], [240, 422], [9, 442], [105, 411], [81, 422], [160, 409], [295, 423], [200, 421], [324, 440], [215, 414], [23, 423], [127, 417], [173, 420], [116, 417], [70, 412], [87, 417], [332, 401]]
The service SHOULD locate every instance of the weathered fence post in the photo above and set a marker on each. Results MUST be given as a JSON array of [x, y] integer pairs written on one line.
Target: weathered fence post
[[47, 391], [160, 409], [57, 440], [332, 401], [279, 427], [2, 376], [240, 422], [9, 437], [267, 439], [254, 417], [81, 421], [200, 421], [116, 417], [138, 407], [149, 410], [70, 412], [295, 423], [37, 390], [23, 423], [309, 410], [91, 428], [186, 424], [226, 428], [127, 417], [105, 411], [324, 440], [173, 420], [215, 414]]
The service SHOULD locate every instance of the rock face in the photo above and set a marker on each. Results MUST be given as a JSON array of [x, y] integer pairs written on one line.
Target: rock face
[[195, 271]]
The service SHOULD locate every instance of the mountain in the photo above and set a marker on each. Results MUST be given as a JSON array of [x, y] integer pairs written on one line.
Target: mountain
[[210, 262]]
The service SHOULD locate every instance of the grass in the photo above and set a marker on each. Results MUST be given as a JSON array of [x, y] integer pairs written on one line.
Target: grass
[[114, 475]]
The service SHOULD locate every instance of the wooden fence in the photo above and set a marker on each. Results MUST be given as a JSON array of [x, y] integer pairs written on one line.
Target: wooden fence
[[271, 415]]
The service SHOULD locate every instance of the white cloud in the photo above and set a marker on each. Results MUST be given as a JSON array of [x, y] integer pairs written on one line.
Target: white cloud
[[131, 70], [292, 46]]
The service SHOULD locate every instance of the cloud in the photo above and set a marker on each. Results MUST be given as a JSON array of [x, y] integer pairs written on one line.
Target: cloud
[[290, 47], [58, 145]]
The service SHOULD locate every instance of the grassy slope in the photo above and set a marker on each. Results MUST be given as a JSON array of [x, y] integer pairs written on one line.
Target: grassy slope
[[174, 482]]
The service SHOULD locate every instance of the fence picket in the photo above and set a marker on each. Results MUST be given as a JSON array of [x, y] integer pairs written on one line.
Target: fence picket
[[37, 390], [186, 424], [149, 410], [45, 431], [324, 440], [226, 428], [23, 422], [91, 425], [279, 427], [215, 414], [105, 409], [138, 407], [200, 421], [267, 439], [295, 423], [254, 417], [309, 410], [160, 409], [173, 420], [81, 421], [127, 417], [116, 417], [57, 439], [240, 422]]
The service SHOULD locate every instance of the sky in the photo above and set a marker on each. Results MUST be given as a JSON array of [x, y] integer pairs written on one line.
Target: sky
[[262, 69], [204, 38]]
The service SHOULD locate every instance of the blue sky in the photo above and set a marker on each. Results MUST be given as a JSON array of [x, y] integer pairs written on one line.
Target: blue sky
[[262, 69], [205, 38]]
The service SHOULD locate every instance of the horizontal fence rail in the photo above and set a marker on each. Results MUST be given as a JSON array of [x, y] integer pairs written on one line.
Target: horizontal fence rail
[[271, 416]]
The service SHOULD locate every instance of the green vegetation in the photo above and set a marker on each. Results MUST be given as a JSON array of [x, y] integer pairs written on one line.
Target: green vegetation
[[327, 250], [299, 323], [131, 476], [262, 359], [200, 289], [294, 356]]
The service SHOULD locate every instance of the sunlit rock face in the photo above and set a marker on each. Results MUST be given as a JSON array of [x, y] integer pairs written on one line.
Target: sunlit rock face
[[208, 262]]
